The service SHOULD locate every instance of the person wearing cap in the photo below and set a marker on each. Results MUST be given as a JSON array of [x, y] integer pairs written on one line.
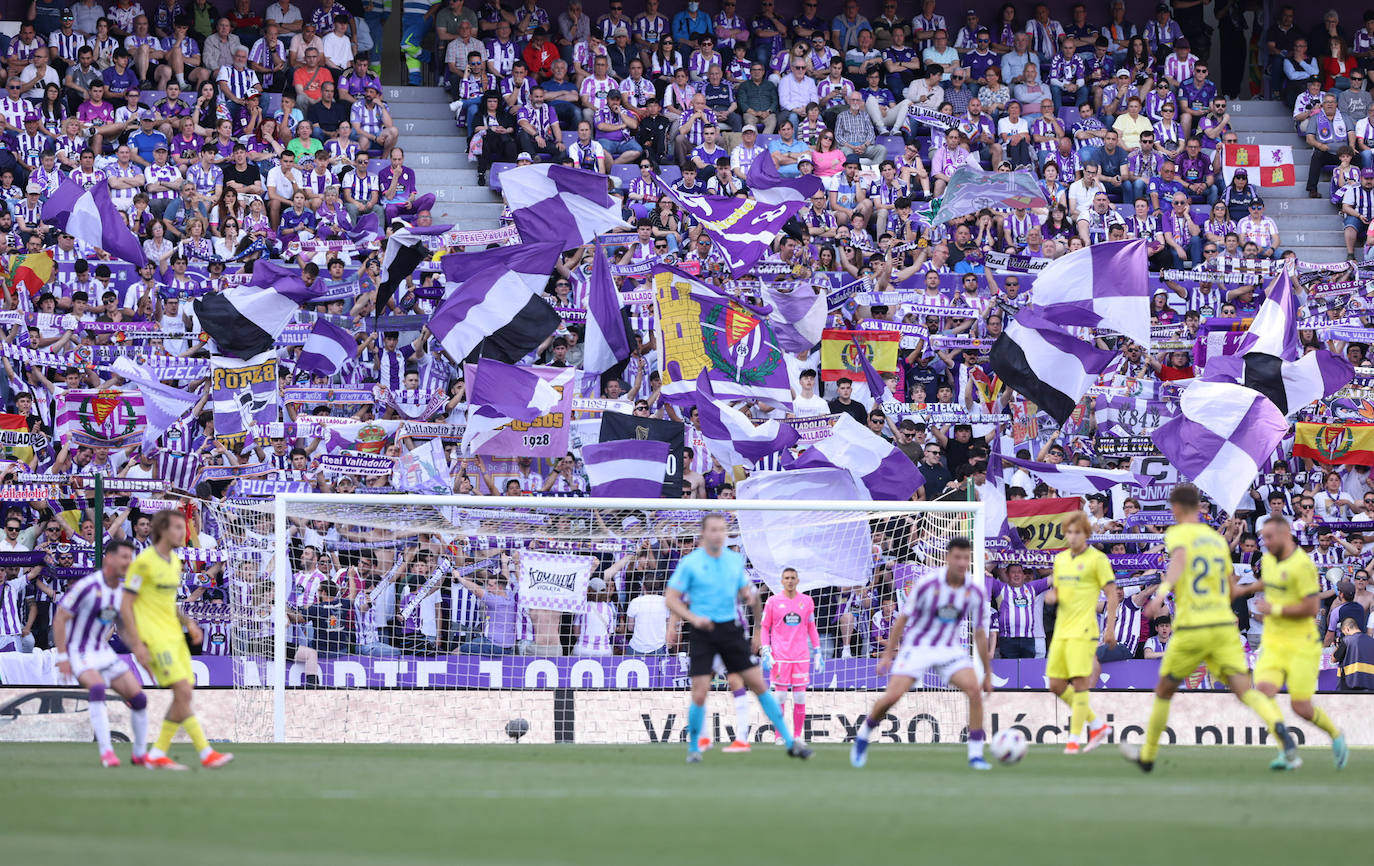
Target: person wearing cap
[[147, 138], [371, 120], [615, 126], [164, 181], [1178, 66], [742, 155], [620, 52], [1162, 31], [1260, 230]]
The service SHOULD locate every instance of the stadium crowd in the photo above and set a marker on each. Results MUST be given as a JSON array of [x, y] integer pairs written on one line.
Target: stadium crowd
[[228, 138]]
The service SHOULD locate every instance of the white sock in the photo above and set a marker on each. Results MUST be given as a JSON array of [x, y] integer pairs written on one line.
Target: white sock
[[742, 716], [866, 730], [139, 720], [207, 752], [154, 753], [100, 723], [975, 747]]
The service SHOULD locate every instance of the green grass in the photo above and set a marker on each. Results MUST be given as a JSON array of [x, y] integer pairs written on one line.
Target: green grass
[[642, 805]]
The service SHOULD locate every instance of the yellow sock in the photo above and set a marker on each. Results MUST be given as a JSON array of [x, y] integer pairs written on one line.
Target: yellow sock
[[1068, 696], [164, 739], [1159, 717], [192, 726], [1266, 708], [1323, 721], [1079, 718]]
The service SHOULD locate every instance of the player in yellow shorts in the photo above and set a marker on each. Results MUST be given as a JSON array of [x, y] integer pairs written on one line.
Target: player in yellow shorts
[[1203, 583], [1080, 574], [1290, 651], [152, 627]]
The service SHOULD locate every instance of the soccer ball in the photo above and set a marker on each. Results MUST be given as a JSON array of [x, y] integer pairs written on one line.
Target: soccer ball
[[1009, 746]]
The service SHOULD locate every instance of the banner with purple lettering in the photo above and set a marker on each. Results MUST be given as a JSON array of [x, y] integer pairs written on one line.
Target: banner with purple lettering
[[545, 436]]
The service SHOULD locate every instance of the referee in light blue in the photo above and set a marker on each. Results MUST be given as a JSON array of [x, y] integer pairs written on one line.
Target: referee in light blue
[[713, 578]]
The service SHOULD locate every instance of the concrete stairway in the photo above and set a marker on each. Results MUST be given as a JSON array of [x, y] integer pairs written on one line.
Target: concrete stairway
[[1309, 227], [437, 152]]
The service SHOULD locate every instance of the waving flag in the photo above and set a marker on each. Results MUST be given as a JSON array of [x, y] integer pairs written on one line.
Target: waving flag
[[89, 216], [327, 348], [497, 300], [405, 250], [1105, 285], [1345, 444], [1077, 479], [32, 272], [244, 321], [770, 187], [841, 350], [971, 189], [743, 229], [1223, 434], [775, 540], [501, 394], [629, 468], [163, 405], [559, 204], [1038, 523], [243, 393], [1273, 331], [873, 461], [733, 439], [111, 417], [1046, 364], [1266, 165], [798, 314], [700, 329], [607, 340]]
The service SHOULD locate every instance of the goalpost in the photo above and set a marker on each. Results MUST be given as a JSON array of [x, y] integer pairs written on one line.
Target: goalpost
[[418, 598]]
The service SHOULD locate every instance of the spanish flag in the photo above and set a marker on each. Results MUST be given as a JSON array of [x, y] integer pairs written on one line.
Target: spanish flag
[[1348, 444], [839, 353], [32, 272], [19, 426], [1040, 521]]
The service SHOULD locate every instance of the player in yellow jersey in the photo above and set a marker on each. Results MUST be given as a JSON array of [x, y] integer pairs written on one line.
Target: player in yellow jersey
[[152, 628], [1291, 651], [1080, 574], [1203, 583]]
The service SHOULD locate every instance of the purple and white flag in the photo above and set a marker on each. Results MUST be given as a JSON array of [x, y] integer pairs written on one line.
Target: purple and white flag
[[495, 287], [559, 204], [1224, 433], [798, 314], [405, 249], [770, 187], [502, 393], [606, 341], [245, 320], [163, 405], [423, 469], [731, 437], [1077, 479], [776, 540], [89, 216], [1273, 331], [884, 472], [626, 468], [1105, 285], [743, 229], [327, 348], [1046, 364], [1290, 385], [244, 393]]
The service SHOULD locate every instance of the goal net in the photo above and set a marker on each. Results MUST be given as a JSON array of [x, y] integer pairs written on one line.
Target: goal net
[[460, 619]]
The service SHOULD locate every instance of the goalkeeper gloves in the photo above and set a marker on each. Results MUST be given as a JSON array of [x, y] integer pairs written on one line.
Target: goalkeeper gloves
[[818, 660], [766, 658]]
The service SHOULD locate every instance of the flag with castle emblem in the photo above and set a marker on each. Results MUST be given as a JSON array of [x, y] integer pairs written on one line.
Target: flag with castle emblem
[[1265, 165]]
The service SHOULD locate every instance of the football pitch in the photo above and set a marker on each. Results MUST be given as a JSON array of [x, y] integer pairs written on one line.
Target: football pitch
[[643, 806]]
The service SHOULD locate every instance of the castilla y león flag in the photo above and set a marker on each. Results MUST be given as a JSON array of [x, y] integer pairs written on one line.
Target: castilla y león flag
[[1266, 165]]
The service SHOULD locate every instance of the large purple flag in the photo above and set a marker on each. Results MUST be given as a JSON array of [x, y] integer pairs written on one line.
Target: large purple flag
[[327, 348], [873, 461], [770, 187], [1105, 285], [1221, 437], [732, 438], [1273, 330], [743, 229], [798, 314], [494, 287], [559, 203], [1040, 360], [89, 216], [502, 393], [629, 468], [1290, 385], [606, 341]]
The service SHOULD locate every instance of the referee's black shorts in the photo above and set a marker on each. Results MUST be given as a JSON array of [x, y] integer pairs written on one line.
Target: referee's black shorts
[[726, 640]]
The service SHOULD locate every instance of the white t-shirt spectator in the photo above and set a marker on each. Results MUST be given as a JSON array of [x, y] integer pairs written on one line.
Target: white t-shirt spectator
[[650, 615]]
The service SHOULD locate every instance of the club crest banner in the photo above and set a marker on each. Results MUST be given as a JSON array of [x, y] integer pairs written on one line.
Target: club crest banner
[[100, 418]]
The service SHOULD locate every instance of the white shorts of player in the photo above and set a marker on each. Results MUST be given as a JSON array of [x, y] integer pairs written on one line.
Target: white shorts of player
[[914, 661], [102, 661]]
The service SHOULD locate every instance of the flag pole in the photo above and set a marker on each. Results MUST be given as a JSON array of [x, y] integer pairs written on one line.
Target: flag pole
[[99, 518]]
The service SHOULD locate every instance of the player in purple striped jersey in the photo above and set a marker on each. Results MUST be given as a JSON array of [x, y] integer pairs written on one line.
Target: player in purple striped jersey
[[930, 631], [85, 616]]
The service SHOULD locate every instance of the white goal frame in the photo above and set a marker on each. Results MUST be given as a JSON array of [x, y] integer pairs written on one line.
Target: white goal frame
[[282, 508]]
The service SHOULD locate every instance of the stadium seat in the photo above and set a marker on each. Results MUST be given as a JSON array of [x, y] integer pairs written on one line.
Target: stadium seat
[[494, 176], [626, 173], [895, 145]]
